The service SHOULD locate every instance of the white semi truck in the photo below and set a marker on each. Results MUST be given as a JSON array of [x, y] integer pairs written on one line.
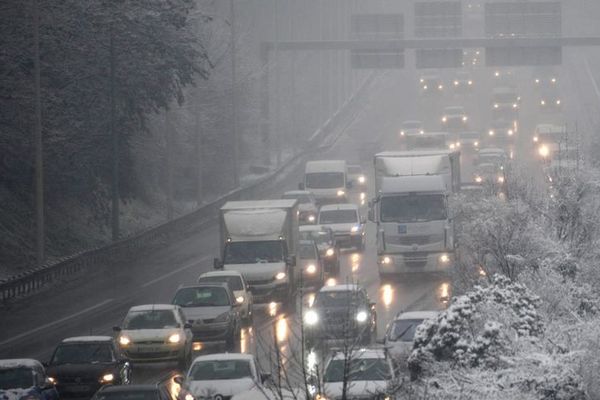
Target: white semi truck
[[259, 239], [415, 231]]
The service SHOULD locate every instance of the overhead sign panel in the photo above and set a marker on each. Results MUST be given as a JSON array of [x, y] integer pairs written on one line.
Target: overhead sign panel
[[523, 56], [439, 58], [438, 19], [377, 27]]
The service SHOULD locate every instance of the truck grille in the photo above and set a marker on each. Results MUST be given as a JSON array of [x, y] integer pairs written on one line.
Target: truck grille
[[408, 240]]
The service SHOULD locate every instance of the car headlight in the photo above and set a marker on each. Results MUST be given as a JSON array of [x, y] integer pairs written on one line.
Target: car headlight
[[444, 119], [354, 229], [362, 179], [239, 299], [311, 218], [425, 87], [311, 269], [52, 380], [476, 144], [361, 316], [452, 146], [330, 252], [470, 83], [511, 132], [444, 258], [491, 132], [515, 105], [478, 179], [543, 102], [500, 179], [223, 317], [311, 317], [402, 133], [174, 338], [189, 396], [340, 193], [386, 260], [107, 378], [280, 276], [465, 118], [535, 139], [124, 340], [544, 151], [496, 105], [558, 102], [455, 83], [440, 87]]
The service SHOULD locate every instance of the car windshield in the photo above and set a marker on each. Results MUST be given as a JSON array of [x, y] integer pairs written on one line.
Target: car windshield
[[150, 319], [488, 169], [454, 111], [254, 252], [424, 141], [325, 180], [337, 298], [302, 198], [202, 297], [411, 125], [404, 330], [16, 378], [495, 159], [505, 98], [127, 395], [83, 353], [320, 237], [234, 282], [338, 217], [307, 252], [362, 369], [413, 208], [220, 369]]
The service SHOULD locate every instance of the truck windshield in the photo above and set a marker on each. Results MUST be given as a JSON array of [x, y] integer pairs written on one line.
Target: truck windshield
[[325, 180], [254, 252], [413, 208]]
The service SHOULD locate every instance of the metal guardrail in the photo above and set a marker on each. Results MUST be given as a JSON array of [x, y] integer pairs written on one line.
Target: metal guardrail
[[69, 268]]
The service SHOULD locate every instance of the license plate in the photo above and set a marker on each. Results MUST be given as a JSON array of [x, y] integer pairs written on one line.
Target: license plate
[[402, 229], [79, 388], [149, 349]]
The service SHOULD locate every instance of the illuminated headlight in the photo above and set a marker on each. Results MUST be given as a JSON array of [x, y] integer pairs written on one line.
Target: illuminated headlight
[[452, 146], [535, 139], [496, 105], [174, 338], [444, 258], [422, 80], [511, 132], [470, 83], [188, 396], [330, 252], [440, 87], [491, 132], [239, 299], [386, 260], [476, 144], [341, 193], [421, 132], [280, 276], [311, 269], [425, 87], [544, 151], [558, 102], [500, 179], [124, 340], [515, 105], [465, 118], [478, 179], [311, 218], [543, 102], [107, 378], [537, 81], [354, 229], [444, 119], [457, 144], [455, 83], [402, 133], [361, 316], [362, 179], [553, 80], [52, 380], [496, 74], [311, 317]]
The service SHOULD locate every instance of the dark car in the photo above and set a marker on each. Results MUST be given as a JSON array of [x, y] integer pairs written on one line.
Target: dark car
[[81, 365], [211, 310], [324, 238], [341, 313], [25, 379], [134, 392]]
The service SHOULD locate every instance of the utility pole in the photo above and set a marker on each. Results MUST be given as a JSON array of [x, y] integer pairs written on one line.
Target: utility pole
[[39, 158], [234, 106], [114, 135]]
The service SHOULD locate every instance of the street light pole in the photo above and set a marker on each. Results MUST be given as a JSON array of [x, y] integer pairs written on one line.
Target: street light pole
[[234, 106], [39, 158]]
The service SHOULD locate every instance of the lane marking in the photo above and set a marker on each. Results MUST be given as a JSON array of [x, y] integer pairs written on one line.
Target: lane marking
[[57, 322], [175, 271]]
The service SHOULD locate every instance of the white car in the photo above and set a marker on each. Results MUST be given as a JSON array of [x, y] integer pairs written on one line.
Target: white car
[[346, 222], [220, 376], [155, 332], [412, 127], [400, 333], [371, 375], [238, 286]]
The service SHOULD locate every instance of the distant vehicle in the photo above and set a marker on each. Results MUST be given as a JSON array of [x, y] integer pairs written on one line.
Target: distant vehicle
[[427, 141], [324, 238], [356, 176], [238, 285], [463, 82], [544, 77], [454, 118], [131, 392], [307, 205], [346, 222], [341, 313], [489, 174], [431, 84], [80, 365], [212, 312], [327, 180], [502, 131], [259, 239], [369, 375], [155, 332], [547, 138], [220, 376], [505, 98], [491, 155], [412, 127], [401, 331], [25, 379], [550, 99], [310, 264], [469, 139]]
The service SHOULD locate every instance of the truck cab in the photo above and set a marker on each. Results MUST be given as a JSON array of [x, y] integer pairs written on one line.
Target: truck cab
[[327, 180]]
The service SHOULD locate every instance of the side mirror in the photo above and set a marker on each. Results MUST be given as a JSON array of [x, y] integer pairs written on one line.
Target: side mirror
[[291, 261], [178, 380], [264, 377], [187, 326], [116, 329], [301, 186], [217, 264]]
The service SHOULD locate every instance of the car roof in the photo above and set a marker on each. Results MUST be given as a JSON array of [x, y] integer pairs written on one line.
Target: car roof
[[221, 273], [417, 315], [80, 339], [449, 108], [152, 307], [20, 363], [350, 287], [224, 356], [345, 206], [203, 285], [325, 166]]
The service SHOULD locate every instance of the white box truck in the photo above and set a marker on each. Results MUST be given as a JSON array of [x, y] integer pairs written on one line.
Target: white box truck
[[259, 239], [415, 231], [327, 180]]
